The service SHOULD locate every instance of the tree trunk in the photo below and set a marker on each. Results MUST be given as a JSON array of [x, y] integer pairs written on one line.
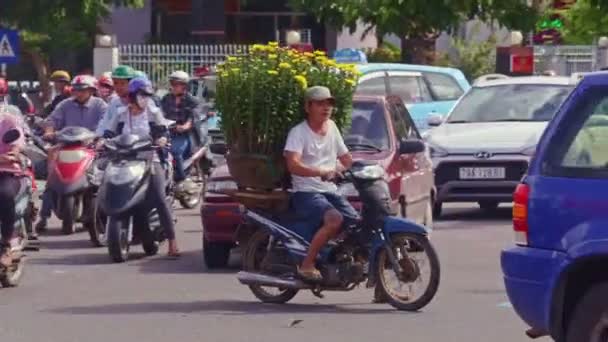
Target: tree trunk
[[418, 50], [42, 71]]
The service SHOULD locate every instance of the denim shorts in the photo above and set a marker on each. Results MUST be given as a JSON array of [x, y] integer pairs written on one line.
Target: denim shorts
[[310, 208]]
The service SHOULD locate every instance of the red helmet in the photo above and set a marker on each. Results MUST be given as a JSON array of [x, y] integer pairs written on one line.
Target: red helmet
[[105, 81], [3, 87]]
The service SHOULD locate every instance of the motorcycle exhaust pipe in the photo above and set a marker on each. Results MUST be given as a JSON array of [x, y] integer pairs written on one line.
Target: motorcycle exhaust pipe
[[250, 278]]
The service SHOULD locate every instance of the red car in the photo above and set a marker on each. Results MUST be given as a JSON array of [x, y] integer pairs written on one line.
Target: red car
[[378, 124]]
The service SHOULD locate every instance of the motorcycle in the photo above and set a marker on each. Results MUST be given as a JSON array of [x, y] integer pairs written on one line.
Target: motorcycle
[[375, 249], [122, 196], [24, 218], [70, 178], [199, 165]]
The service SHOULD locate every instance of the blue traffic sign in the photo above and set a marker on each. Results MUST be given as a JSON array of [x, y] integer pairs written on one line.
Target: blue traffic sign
[[350, 56], [9, 46]]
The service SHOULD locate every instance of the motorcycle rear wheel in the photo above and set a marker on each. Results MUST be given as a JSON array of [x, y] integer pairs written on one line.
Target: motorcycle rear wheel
[[412, 243], [68, 207], [118, 239], [254, 254]]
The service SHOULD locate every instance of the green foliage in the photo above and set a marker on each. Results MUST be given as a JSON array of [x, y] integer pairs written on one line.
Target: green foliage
[[472, 58], [261, 95], [584, 22], [386, 53], [411, 19]]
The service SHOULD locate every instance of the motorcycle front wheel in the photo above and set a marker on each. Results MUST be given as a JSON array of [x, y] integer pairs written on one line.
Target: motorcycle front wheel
[[118, 238], [253, 261], [97, 227], [68, 215], [418, 282]]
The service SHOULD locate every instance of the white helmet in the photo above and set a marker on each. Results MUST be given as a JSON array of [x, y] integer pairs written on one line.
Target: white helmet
[[82, 82], [179, 76]]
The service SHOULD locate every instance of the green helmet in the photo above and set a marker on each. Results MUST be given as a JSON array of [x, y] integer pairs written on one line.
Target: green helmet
[[139, 73], [123, 72]]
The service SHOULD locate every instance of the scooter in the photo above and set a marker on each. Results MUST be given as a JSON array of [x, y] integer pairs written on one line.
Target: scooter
[[377, 248], [199, 165], [24, 215], [70, 177], [122, 196]]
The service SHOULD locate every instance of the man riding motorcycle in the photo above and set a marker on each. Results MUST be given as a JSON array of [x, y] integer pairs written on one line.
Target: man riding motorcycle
[[81, 110], [13, 179], [144, 120], [312, 150], [61, 82], [121, 75], [5, 106], [182, 108], [105, 88]]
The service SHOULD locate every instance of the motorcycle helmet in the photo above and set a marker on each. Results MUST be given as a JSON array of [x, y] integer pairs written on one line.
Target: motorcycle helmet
[[82, 82], [179, 76], [139, 73], [106, 82], [60, 76], [123, 72], [140, 85]]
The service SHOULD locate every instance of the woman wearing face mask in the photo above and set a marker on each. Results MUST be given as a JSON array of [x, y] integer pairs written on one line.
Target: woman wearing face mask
[[105, 88], [139, 118]]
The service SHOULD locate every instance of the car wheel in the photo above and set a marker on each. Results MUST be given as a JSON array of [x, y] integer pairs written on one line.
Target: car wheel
[[589, 321], [216, 254], [488, 205], [437, 208]]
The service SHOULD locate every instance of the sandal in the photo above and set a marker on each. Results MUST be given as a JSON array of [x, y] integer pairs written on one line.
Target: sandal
[[174, 254], [312, 275], [6, 257]]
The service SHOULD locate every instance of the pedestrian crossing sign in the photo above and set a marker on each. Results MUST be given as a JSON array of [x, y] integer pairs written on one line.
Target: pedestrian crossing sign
[[9, 47]]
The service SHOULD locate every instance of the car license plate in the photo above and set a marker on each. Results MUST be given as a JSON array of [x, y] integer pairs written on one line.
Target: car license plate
[[482, 173]]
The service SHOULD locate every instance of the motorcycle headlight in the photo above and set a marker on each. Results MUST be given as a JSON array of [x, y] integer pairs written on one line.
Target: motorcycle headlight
[[124, 174], [369, 172], [219, 186]]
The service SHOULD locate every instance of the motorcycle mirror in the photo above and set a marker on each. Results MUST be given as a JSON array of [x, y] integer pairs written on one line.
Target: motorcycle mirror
[[11, 136]]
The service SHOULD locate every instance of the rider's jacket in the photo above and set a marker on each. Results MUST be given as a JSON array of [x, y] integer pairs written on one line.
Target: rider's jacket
[[73, 113], [188, 108]]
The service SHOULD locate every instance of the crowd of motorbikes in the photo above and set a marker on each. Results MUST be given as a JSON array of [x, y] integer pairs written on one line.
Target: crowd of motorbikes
[[104, 190]]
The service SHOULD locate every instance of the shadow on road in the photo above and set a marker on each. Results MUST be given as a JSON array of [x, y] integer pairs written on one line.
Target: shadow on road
[[65, 244], [225, 307], [475, 214], [189, 262]]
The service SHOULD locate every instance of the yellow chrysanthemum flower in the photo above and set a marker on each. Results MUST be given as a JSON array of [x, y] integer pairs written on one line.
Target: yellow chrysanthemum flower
[[231, 59], [284, 65], [273, 44], [351, 82], [272, 72], [273, 56], [319, 53], [301, 81]]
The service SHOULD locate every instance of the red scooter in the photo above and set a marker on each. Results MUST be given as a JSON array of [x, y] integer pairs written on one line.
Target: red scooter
[[71, 177]]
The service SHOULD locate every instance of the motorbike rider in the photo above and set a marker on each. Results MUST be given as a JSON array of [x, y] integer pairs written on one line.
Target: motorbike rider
[[5, 106], [182, 108], [144, 120], [312, 150], [121, 75], [13, 179], [81, 110], [105, 88], [61, 82]]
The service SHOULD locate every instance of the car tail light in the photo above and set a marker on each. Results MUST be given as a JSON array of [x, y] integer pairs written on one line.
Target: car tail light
[[520, 214], [71, 156]]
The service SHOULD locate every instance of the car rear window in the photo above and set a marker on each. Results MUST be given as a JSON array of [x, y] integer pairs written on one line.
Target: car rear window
[[510, 102], [444, 87]]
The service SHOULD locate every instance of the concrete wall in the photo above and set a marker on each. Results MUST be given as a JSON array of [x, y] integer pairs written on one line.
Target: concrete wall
[[347, 40], [131, 26]]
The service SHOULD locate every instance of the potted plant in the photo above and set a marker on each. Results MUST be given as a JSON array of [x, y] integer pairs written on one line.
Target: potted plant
[[260, 96]]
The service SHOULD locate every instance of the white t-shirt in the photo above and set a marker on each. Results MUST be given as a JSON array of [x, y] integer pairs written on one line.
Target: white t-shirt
[[317, 151], [134, 124]]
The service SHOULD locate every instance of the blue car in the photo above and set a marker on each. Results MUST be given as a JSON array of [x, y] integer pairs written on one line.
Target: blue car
[[426, 90], [556, 276]]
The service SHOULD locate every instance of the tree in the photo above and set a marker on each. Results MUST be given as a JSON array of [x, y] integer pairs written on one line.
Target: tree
[[419, 22], [584, 22], [50, 26]]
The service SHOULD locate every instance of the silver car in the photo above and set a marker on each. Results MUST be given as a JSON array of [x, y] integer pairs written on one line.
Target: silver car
[[481, 150]]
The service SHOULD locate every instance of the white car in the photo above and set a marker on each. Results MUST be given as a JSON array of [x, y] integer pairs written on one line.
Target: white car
[[481, 150]]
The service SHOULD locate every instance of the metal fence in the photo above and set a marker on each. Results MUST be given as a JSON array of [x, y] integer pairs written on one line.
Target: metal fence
[[158, 61], [566, 59]]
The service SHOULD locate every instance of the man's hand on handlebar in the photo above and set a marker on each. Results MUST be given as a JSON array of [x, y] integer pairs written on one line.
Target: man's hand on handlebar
[[329, 175], [162, 141], [48, 135]]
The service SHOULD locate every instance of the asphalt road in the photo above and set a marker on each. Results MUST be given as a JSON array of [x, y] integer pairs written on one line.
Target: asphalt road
[[72, 293]]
